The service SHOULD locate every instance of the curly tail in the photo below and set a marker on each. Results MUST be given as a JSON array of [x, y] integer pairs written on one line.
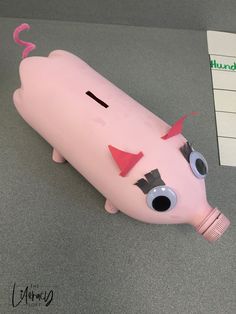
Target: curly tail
[[28, 46]]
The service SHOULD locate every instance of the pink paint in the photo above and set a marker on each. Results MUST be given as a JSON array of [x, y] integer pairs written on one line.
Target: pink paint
[[53, 99], [28, 46]]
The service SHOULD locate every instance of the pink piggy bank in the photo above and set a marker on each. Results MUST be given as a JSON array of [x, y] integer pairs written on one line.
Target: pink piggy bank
[[143, 167]]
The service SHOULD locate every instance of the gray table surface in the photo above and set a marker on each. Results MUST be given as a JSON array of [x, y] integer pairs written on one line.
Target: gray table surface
[[54, 231], [181, 14]]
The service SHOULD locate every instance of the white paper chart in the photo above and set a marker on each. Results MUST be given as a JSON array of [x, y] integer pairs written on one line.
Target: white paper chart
[[222, 51]]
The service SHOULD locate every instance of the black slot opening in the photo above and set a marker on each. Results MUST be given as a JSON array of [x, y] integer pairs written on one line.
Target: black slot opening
[[102, 103]]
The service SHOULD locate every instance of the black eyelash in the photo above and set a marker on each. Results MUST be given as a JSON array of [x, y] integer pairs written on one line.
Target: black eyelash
[[186, 150], [102, 103], [153, 180]]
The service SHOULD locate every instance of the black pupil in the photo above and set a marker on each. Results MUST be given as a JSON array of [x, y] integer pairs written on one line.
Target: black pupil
[[161, 203], [201, 167]]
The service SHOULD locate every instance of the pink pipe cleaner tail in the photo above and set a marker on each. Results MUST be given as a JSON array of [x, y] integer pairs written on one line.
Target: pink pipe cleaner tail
[[28, 46], [177, 127]]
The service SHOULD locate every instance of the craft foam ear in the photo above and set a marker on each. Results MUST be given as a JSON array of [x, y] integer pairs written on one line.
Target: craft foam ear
[[28, 46], [124, 160], [177, 127]]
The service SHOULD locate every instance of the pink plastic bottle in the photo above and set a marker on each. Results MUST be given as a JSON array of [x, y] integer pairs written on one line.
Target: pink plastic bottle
[[142, 166]]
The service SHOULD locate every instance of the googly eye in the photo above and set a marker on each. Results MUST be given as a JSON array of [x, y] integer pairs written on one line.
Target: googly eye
[[198, 164], [161, 198]]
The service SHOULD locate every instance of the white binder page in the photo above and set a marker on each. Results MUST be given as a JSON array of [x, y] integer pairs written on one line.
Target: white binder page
[[222, 51]]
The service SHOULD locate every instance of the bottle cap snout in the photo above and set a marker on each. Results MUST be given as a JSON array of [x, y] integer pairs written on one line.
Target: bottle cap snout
[[213, 226]]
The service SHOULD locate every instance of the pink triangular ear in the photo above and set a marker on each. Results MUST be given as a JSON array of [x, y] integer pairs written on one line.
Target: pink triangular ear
[[124, 160], [177, 127]]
